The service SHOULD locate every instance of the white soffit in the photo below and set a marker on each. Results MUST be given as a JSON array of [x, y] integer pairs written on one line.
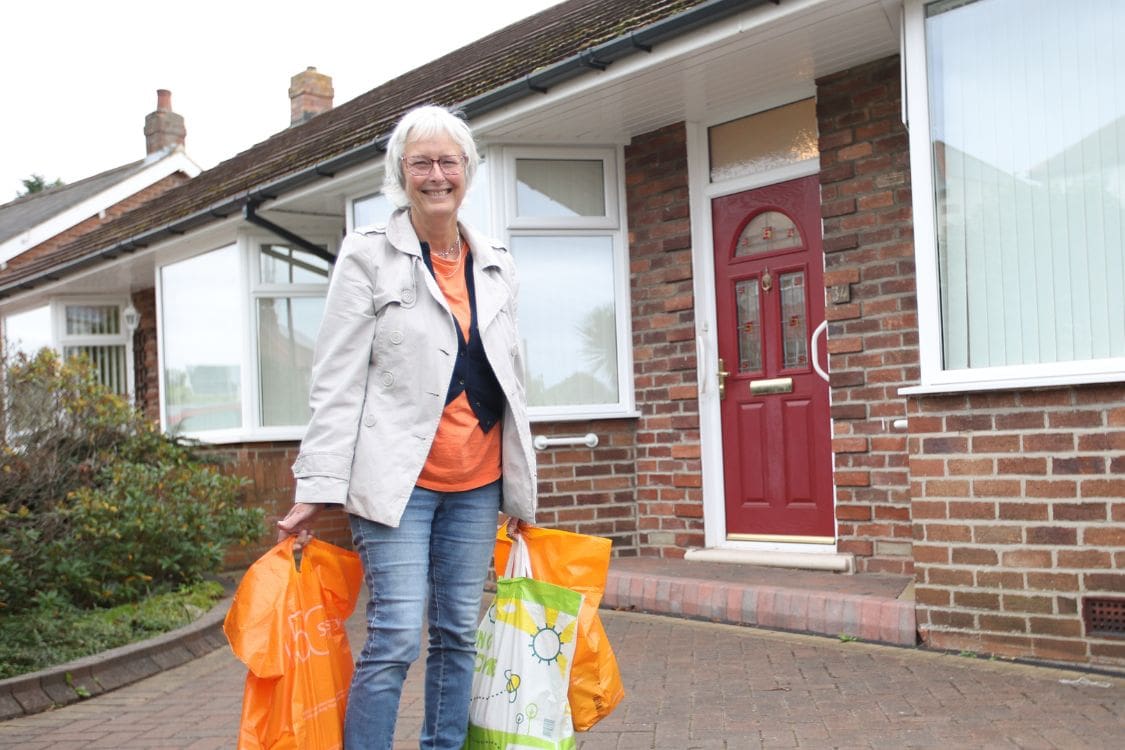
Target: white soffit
[[745, 62]]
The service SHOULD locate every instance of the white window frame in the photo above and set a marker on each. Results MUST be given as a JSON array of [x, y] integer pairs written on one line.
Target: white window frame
[[613, 225], [935, 378], [58, 339], [61, 339], [250, 289], [258, 290]]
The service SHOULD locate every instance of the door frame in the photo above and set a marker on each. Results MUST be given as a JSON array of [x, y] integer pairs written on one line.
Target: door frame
[[701, 191]]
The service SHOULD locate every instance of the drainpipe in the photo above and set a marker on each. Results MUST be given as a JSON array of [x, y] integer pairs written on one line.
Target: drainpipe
[[249, 212]]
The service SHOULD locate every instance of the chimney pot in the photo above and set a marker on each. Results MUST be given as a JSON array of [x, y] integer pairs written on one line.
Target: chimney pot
[[310, 94], [164, 128]]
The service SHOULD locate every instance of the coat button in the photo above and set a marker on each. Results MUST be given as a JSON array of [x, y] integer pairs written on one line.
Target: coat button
[[388, 379], [369, 420], [515, 350], [407, 295], [396, 337]]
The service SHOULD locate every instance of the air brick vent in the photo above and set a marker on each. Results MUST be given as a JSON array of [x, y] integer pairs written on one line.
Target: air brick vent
[[1104, 616]]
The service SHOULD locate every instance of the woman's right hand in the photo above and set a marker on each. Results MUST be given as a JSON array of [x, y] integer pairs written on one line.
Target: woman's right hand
[[298, 522]]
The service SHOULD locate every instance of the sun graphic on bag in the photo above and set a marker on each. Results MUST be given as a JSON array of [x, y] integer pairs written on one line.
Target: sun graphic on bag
[[549, 631], [546, 645]]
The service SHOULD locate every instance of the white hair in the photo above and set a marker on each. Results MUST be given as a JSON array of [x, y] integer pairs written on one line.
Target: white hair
[[426, 121]]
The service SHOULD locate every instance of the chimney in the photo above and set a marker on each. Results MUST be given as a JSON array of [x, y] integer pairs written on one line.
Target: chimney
[[163, 128], [310, 93]]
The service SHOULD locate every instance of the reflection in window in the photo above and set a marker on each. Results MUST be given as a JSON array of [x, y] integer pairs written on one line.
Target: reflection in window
[[749, 326], [794, 320], [554, 188], [287, 330], [767, 232], [371, 210], [202, 345], [279, 264], [567, 319], [28, 331], [1027, 130]]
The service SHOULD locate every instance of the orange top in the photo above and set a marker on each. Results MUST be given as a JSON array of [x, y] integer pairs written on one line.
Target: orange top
[[463, 456]]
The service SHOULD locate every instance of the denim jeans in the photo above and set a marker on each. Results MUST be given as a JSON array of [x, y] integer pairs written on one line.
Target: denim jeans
[[438, 556]]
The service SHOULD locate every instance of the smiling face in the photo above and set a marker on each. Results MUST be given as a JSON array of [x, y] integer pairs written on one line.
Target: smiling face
[[436, 196]]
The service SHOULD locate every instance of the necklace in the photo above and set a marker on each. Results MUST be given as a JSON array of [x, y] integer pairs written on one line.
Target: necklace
[[454, 265], [453, 252]]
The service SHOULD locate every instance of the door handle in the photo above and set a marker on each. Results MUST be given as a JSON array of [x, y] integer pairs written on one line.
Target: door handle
[[722, 375], [814, 354]]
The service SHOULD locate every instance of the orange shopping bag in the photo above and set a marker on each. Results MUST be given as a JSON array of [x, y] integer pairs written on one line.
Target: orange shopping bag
[[578, 562], [287, 626]]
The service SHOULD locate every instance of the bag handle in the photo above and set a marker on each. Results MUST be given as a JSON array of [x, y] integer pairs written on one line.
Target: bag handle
[[519, 559]]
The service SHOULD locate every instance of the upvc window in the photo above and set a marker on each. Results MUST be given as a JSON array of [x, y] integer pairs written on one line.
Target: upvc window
[[1017, 132], [238, 327], [563, 219], [91, 327], [289, 290], [201, 342], [95, 330]]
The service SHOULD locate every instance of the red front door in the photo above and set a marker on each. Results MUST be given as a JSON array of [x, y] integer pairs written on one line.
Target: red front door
[[769, 272]]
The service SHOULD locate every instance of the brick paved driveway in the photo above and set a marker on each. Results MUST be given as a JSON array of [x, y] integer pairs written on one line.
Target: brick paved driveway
[[691, 685]]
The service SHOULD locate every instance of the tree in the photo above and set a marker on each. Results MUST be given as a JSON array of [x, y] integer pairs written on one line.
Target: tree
[[37, 183]]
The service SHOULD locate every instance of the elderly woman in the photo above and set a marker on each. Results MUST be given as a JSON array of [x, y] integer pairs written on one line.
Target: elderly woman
[[419, 427]]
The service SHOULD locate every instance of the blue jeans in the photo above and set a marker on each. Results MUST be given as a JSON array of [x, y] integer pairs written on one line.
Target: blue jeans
[[438, 555]]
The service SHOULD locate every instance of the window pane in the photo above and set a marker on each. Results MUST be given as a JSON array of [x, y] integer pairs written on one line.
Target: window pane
[[108, 362], [560, 187], [202, 341], [567, 319], [767, 140], [794, 320], [280, 264], [749, 326], [92, 320], [286, 335], [767, 232], [372, 209], [28, 331], [1027, 112]]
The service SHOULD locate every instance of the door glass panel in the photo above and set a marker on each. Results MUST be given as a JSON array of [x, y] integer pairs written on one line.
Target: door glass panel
[[749, 326], [794, 322], [767, 232]]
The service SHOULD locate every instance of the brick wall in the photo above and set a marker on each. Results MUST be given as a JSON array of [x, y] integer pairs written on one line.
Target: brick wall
[[591, 490], [873, 328], [146, 366], [1019, 512], [668, 466], [267, 466]]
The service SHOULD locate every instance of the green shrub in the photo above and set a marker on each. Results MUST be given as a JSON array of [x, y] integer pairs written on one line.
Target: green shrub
[[54, 631], [99, 507]]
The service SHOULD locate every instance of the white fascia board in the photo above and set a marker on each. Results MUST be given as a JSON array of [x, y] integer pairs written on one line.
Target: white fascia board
[[177, 161]]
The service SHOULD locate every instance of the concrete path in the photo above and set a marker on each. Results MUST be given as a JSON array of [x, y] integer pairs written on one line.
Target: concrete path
[[690, 684]]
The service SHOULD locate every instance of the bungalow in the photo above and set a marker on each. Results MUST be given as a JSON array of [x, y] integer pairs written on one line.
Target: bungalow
[[835, 284]]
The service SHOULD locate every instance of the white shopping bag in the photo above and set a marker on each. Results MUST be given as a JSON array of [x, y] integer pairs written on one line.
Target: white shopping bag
[[525, 648]]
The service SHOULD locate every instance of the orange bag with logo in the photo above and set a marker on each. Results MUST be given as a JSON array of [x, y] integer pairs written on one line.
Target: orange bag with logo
[[287, 626], [578, 562]]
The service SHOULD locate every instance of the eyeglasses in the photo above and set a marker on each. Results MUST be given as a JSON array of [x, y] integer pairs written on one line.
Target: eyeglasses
[[420, 166]]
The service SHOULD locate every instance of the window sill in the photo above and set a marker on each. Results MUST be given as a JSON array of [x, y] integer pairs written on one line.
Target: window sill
[[1014, 383], [582, 417]]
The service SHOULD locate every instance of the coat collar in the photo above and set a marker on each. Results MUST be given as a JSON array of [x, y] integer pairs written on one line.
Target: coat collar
[[401, 235]]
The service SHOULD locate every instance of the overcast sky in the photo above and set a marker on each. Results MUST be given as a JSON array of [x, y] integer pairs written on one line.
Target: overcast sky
[[79, 76]]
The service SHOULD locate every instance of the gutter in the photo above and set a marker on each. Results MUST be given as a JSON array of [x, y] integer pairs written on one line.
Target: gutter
[[596, 58]]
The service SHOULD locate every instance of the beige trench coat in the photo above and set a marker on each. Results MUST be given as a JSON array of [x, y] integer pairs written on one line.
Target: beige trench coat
[[384, 357]]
